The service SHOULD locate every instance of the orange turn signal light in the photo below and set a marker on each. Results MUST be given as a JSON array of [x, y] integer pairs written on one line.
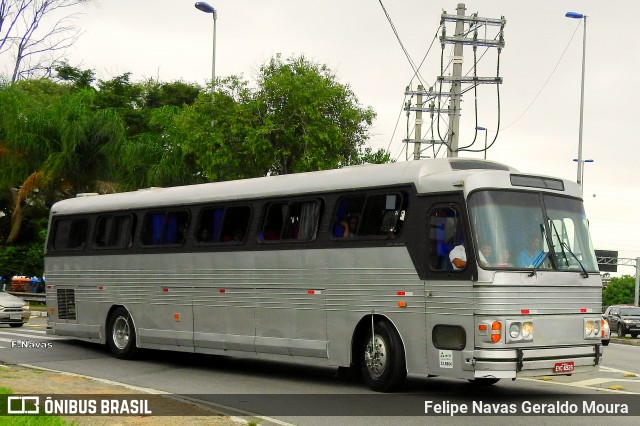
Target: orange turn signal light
[[496, 331]]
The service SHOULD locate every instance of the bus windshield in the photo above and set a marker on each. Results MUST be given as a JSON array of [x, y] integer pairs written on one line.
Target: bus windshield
[[525, 230]]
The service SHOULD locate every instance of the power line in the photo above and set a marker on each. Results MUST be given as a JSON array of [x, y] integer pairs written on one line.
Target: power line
[[393, 27], [546, 81]]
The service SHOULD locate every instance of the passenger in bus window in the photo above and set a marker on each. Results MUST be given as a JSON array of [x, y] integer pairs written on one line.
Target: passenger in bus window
[[531, 252], [204, 235], [458, 257], [504, 258], [350, 226]]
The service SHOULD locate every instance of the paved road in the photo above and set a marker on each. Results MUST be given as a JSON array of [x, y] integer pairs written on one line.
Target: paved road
[[235, 382]]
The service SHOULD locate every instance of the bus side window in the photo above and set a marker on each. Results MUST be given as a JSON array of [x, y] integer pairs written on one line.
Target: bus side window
[[223, 225], [236, 223], [291, 221], [165, 228], [445, 233], [114, 231], [70, 234], [370, 215]]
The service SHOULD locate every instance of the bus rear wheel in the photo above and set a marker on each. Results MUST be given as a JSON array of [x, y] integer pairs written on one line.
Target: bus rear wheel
[[382, 362], [121, 335]]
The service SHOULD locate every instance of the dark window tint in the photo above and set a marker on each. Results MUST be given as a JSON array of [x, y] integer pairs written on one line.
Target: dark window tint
[[70, 234], [291, 221], [115, 231], [369, 215], [223, 225], [445, 235], [161, 228], [537, 182]]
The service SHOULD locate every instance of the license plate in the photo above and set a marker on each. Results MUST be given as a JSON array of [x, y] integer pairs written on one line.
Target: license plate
[[15, 316], [563, 367]]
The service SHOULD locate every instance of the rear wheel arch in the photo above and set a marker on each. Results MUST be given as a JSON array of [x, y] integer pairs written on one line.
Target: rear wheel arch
[[121, 333]]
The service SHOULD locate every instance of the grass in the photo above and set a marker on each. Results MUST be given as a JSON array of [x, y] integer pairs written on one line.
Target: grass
[[27, 420]]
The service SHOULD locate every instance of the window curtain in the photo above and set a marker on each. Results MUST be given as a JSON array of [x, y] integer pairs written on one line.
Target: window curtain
[[308, 220]]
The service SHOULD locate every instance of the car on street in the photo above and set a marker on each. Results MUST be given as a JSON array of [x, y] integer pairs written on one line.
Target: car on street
[[606, 335], [623, 319], [13, 310]]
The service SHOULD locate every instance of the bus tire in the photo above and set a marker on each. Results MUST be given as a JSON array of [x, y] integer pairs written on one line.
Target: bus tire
[[121, 334], [383, 366]]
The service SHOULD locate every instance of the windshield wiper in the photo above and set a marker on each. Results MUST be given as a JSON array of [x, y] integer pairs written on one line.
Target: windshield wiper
[[564, 246], [538, 263], [584, 273], [564, 254]]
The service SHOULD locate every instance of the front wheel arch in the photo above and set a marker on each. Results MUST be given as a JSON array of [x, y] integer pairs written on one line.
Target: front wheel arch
[[384, 370]]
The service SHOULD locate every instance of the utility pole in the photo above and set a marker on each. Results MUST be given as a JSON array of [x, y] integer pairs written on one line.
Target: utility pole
[[460, 39], [418, 144], [454, 100]]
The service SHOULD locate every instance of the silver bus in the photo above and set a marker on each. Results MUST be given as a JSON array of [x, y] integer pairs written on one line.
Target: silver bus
[[351, 267]]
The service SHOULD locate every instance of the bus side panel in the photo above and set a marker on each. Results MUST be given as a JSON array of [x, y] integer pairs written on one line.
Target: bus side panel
[[450, 337], [380, 281]]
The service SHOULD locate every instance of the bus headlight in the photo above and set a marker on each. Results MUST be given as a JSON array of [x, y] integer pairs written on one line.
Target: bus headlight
[[514, 330], [592, 328], [520, 331]]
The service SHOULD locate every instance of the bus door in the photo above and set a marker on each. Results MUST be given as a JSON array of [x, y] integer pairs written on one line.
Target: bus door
[[449, 289]]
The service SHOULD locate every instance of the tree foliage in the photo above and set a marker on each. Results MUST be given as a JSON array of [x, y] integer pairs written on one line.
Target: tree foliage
[[75, 133], [620, 291]]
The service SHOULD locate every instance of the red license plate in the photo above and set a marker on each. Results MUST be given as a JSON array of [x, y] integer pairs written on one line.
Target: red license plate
[[563, 367]]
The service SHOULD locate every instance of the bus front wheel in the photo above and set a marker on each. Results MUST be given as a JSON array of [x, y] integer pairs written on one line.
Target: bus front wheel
[[382, 362], [121, 335]]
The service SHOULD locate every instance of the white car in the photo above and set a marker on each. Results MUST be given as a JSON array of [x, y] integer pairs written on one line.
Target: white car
[[13, 310], [607, 334]]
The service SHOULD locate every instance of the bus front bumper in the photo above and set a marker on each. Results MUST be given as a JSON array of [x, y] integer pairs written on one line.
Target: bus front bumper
[[514, 363]]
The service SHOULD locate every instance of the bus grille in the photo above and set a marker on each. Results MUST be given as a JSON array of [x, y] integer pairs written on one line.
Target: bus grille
[[66, 304]]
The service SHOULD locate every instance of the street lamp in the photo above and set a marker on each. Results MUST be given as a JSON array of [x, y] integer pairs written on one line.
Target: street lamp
[[581, 177], [575, 15], [206, 8], [485, 139]]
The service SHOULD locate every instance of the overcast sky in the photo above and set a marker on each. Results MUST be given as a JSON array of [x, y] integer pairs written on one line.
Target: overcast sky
[[171, 40]]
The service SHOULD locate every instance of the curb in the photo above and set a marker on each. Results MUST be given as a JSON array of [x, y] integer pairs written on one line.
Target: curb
[[625, 341]]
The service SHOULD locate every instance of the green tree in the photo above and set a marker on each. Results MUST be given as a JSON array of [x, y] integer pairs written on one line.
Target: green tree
[[298, 118], [306, 119], [619, 291], [57, 147]]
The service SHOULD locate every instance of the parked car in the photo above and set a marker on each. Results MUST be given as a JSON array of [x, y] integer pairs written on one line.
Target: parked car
[[13, 310], [606, 336], [624, 319]]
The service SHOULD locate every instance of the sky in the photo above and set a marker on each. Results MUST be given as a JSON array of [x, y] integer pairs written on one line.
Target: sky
[[540, 65]]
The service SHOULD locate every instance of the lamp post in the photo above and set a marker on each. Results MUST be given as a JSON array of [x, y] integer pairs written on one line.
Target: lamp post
[[206, 8], [581, 176], [575, 15], [484, 129]]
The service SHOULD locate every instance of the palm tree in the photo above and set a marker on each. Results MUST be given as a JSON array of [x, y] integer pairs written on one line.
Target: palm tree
[[64, 145]]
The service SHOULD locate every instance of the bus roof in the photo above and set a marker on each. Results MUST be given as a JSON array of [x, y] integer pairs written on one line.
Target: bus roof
[[432, 175]]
